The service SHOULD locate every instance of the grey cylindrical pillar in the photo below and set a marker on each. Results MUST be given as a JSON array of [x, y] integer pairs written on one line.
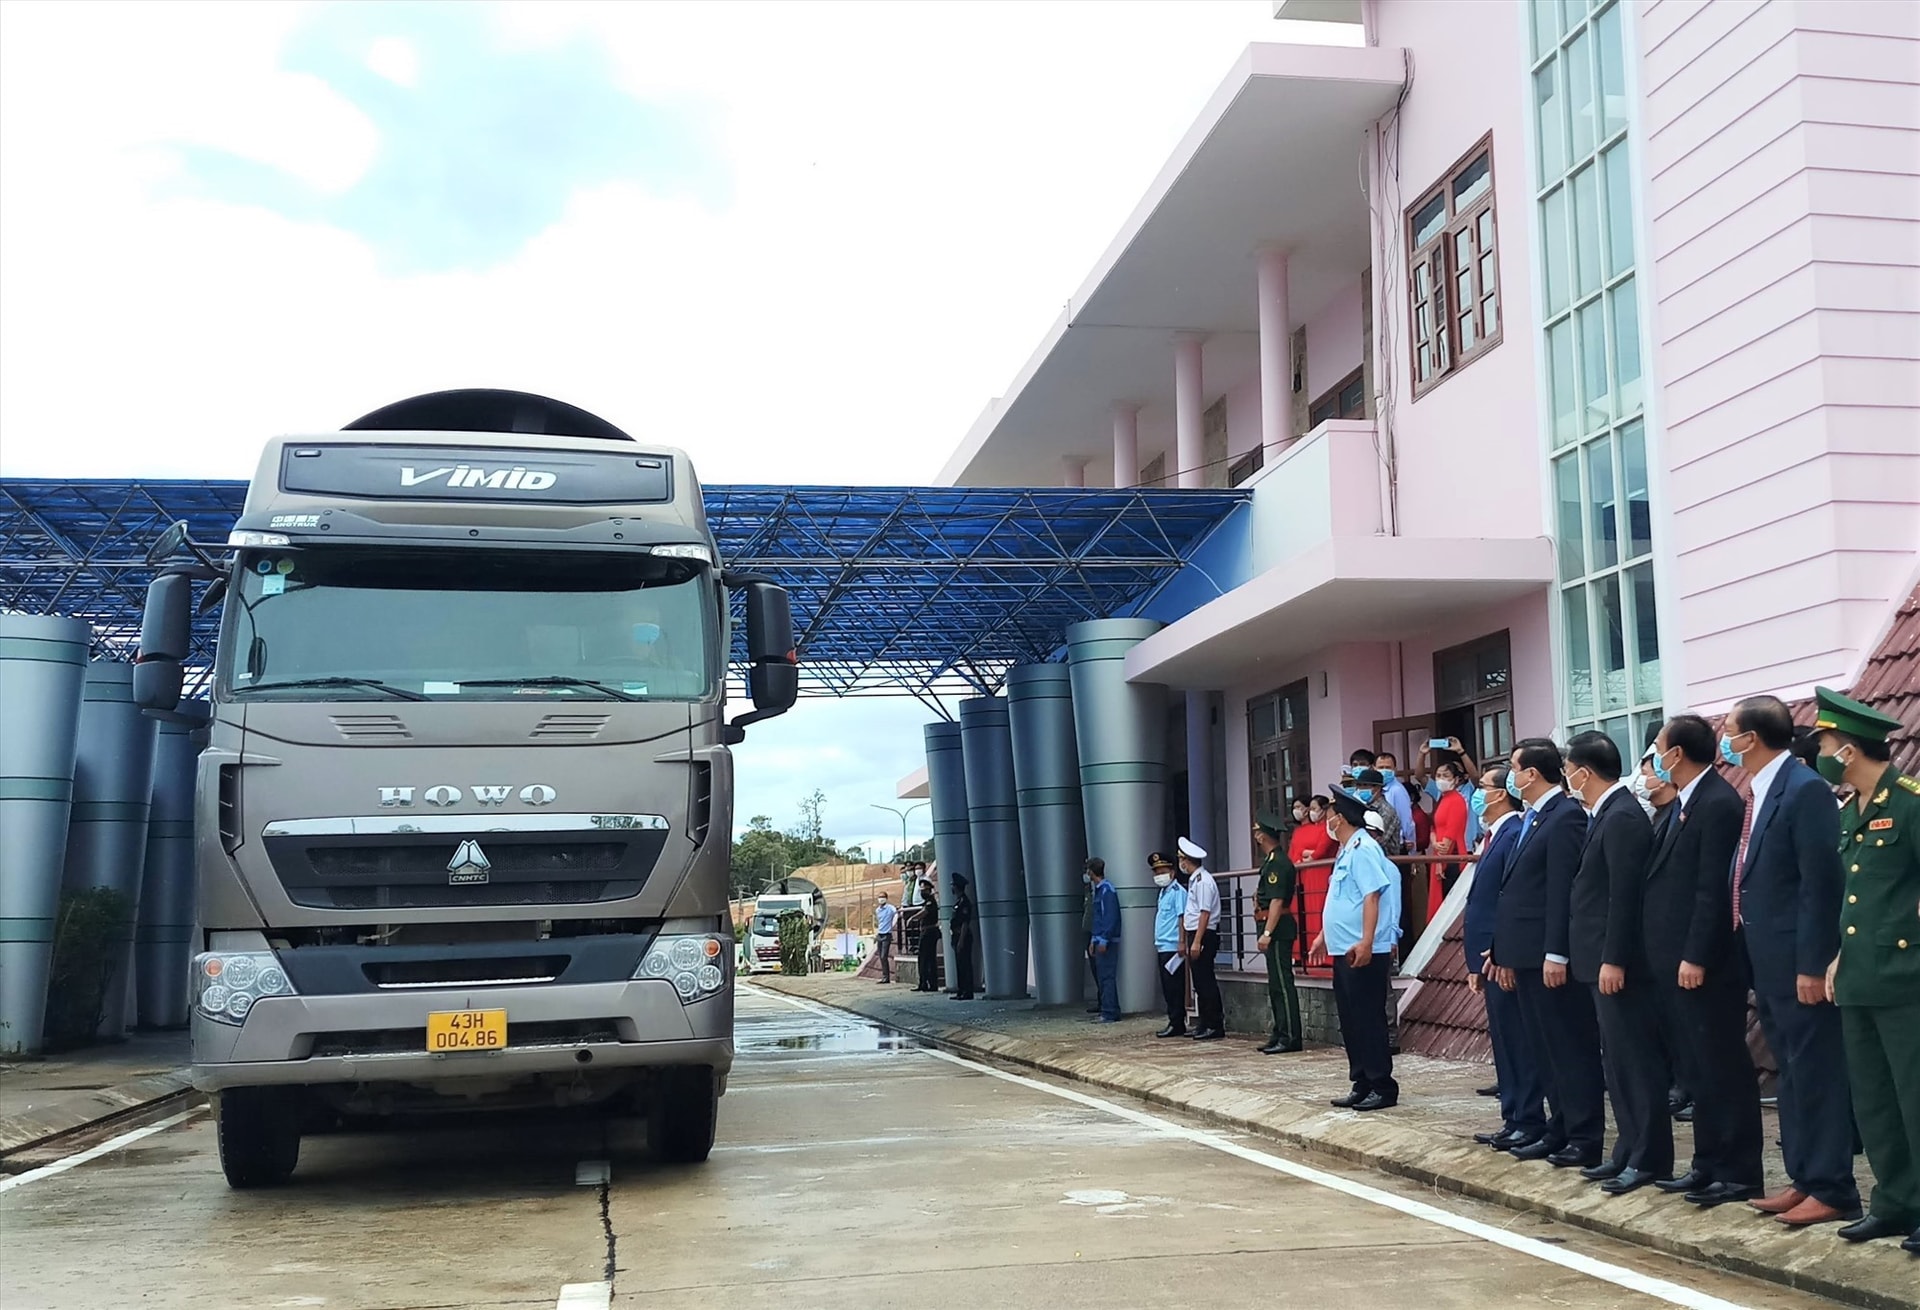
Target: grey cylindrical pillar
[[43, 665], [163, 939], [952, 843], [1121, 728], [1053, 833], [993, 831], [112, 795]]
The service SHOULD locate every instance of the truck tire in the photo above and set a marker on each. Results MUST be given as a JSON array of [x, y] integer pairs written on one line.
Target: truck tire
[[259, 1132], [682, 1116]]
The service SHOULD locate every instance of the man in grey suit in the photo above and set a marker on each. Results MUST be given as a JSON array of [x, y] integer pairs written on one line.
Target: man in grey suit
[[1786, 893]]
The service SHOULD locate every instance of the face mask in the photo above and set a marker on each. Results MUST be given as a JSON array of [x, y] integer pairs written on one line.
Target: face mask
[[1086, 879], [1513, 785], [1163, 880], [1638, 786], [1660, 769], [1831, 767], [1728, 753], [1477, 802], [1364, 795], [1299, 816], [1330, 832], [1445, 784]]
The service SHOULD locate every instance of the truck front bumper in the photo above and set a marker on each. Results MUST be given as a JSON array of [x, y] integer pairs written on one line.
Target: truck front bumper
[[312, 1040]]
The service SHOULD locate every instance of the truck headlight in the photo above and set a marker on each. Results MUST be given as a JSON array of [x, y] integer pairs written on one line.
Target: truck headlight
[[227, 983], [695, 965]]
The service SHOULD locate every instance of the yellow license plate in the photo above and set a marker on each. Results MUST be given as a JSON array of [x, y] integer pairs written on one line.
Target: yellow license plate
[[467, 1030]]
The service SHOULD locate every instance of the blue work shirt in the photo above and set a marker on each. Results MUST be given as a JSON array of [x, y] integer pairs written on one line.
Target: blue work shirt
[[1360, 870], [1167, 915], [883, 916], [1106, 913]]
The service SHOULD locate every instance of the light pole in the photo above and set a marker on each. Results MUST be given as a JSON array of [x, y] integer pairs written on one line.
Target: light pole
[[902, 815]]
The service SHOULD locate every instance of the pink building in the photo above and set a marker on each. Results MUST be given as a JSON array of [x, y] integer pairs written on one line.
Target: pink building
[[1571, 352]]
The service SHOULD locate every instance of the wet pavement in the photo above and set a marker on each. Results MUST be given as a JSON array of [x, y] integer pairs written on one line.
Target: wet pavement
[[853, 1167]]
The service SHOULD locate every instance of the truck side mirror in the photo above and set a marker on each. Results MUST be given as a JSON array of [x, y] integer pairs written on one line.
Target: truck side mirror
[[773, 668], [166, 639]]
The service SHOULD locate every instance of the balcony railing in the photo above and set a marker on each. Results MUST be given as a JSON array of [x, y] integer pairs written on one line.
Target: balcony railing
[[1330, 483]]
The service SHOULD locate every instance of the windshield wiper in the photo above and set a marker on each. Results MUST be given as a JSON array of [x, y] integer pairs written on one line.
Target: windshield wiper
[[612, 693], [397, 693]]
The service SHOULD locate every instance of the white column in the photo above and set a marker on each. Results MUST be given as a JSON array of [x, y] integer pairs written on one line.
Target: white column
[[1126, 445], [1073, 471], [1189, 412], [1276, 351]]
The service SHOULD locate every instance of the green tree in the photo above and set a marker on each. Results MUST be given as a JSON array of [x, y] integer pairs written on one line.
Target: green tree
[[760, 854]]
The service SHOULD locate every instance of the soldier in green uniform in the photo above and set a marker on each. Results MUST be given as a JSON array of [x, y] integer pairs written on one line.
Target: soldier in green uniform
[[1274, 905], [1875, 980]]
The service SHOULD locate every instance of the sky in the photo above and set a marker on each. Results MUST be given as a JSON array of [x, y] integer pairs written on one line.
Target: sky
[[806, 242]]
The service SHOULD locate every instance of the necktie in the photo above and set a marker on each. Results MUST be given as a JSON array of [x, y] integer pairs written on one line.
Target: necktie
[[1526, 824], [1740, 856]]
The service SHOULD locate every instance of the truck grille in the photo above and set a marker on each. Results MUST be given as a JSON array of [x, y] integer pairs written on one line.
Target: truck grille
[[410, 870], [404, 896], [531, 858]]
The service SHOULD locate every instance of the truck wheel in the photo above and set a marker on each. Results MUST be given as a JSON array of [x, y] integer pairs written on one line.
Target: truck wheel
[[259, 1129], [681, 1118]]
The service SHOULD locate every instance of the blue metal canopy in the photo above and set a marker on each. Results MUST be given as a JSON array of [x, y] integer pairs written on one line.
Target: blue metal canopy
[[919, 591]]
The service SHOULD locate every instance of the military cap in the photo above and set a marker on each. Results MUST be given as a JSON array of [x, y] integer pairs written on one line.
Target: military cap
[[1368, 778], [1836, 713], [1271, 826], [1159, 860], [1348, 806]]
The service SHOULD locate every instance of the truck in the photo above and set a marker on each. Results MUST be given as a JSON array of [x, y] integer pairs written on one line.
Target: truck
[[463, 828], [763, 930]]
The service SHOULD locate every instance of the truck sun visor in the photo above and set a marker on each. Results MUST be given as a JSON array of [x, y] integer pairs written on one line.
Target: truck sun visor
[[443, 473]]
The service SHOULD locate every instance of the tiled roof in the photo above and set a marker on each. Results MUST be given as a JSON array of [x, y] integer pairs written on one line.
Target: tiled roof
[[1444, 1019], [1891, 682]]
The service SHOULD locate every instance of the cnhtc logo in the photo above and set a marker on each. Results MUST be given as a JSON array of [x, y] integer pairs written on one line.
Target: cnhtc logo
[[469, 865], [516, 478]]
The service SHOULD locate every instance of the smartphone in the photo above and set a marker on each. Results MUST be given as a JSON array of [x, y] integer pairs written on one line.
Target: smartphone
[[1439, 744]]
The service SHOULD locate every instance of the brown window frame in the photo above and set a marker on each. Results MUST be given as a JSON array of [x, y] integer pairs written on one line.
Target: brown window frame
[[1246, 466], [1332, 397], [1434, 270]]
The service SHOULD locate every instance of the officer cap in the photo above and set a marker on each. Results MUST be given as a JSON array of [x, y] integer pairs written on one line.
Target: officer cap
[[1159, 860], [1368, 778], [1348, 806], [1268, 824], [1836, 713], [1192, 849]]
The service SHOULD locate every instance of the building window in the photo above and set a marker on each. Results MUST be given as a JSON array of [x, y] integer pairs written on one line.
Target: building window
[[1596, 438], [1454, 267], [1473, 696], [1279, 757], [1246, 466], [1348, 399]]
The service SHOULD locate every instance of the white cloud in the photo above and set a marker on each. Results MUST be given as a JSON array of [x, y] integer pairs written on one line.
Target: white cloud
[[394, 59]]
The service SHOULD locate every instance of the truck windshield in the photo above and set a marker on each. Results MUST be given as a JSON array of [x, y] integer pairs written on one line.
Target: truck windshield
[[766, 925], [386, 623]]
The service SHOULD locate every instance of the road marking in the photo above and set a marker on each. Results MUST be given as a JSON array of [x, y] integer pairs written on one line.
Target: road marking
[[585, 1296], [1631, 1280], [592, 1173], [107, 1147]]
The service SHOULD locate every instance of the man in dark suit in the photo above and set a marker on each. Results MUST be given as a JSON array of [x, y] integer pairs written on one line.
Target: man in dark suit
[[1699, 974], [1786, 894], [1522, 1102], [1530, 948], [1610, 962]]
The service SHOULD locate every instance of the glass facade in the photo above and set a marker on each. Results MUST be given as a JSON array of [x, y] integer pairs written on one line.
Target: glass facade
[[1596, 441]]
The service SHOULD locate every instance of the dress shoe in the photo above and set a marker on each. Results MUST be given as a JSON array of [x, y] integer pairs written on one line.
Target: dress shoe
[[1627, 1180], [1513, 1141], [1690, 1181], [1281, 1048], [1375, 1101], [1538, 1149], [1872, 1228], [1571, 1157], [1350, 1100], [1171, 1031], [1722, 1194], [1684, 1114], [1488, 1139], [1605, 1170], [1487, 1091], [1912, 1244], [1208, 1035], [1781, 1201], [1815, 1211]]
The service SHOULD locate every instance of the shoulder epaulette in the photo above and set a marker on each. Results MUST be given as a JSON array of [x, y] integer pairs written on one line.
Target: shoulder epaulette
[[1910, 784]]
